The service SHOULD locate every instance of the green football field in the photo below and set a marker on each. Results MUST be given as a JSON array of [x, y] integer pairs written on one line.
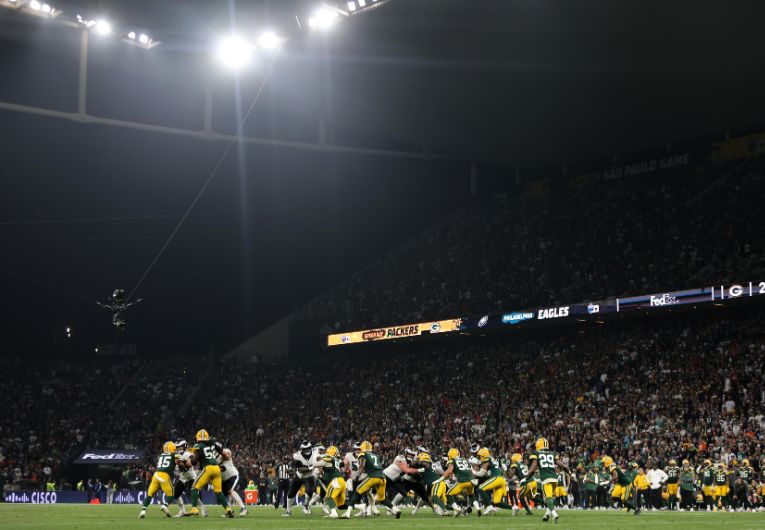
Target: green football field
[[78, 516]]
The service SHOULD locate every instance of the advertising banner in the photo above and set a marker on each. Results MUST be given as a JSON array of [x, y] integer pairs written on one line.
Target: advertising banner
[[394, 332], [81, 497], [543, 315], [110, 456]]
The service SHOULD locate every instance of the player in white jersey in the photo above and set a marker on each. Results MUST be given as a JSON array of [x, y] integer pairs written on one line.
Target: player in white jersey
[[185, 475], [395, 486], [317, 463], [351, 462], [302, 462], [229, 474]]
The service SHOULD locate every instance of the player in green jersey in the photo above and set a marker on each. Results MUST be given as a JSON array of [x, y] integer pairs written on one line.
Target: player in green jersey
[[371, 466], [527, 486], [206, 453], [433, 483], [493, 489], [459, 468], [162, 479], [625, 479], [544, 460]]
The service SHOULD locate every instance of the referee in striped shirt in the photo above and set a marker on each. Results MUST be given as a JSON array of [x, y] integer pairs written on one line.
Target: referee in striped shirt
[[283, 476]]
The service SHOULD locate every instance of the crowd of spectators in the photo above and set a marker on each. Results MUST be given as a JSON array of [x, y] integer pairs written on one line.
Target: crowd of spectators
[[689, 227], [53, 411]]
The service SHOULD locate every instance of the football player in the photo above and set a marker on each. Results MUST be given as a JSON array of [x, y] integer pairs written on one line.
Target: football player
[[625, 478], [527, 485], [545, 460], [185, 474], [332, 478], [369, 465], [229, 474], [706, 472], [161, 479], [459, 468], [721, 487], [206, 453], [302, 462], [494, 487], [673, 480], [351, 463], [395, 484], [316, 463]]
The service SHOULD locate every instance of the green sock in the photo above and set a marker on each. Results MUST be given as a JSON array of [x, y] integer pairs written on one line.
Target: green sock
[[504, 506], [194, 497], [222, 499], [146, 502], [355, 498], [550, 504], [330, 503]]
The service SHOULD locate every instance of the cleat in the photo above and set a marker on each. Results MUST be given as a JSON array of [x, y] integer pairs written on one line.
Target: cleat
[[192, 513], [142, 514], [287, 514], [243, 512], [515, 510], [229, 513], [306, 510], [546, 518]]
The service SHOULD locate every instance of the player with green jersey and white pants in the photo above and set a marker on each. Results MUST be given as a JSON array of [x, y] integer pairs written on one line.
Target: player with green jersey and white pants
[[545, 461]]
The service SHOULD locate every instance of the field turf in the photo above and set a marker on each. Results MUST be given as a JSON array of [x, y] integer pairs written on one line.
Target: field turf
[[85, 517]]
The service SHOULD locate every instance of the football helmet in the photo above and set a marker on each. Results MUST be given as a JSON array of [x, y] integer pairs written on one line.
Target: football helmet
[[320, 449], [168, 447], [181, 444], [202, 435], [474, 448], [707, 462], [606, 460], [516, 458], [423, 449], [634, 465], [483, 452], [423, 457], [745, 462], [409, 454], [365, 446], [542, 443], [685, 462], [306, 449], [331, 451], [453, 453], [673, 462], [356, 447]]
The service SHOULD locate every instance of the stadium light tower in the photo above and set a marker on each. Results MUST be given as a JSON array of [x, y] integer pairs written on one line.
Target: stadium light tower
[[234, 52], [102, 27]]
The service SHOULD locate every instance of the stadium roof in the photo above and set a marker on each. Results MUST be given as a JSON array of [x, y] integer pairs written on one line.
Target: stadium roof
[[507, 83]]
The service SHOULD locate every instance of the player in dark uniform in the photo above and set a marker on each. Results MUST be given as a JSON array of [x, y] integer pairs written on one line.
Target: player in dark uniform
[[371, 466], [545, 460], [162, 479], [206, 453], [302, 462], [625, 479]]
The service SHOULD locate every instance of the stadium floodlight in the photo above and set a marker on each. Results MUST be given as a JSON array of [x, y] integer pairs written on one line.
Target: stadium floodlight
[[351, 6], [269, 40], [142, 40], [88, 23], [324, 17], [102, 27], [234, 51], [35, 7]]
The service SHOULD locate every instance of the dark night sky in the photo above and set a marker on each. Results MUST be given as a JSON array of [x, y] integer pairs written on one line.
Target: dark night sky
[[510, 84]]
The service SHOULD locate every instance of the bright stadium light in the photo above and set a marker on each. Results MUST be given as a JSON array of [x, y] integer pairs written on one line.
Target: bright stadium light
[[269, 40], [102, 27], [234, 52], [143, 38], [35, 7], [88, 23], [323, 18]]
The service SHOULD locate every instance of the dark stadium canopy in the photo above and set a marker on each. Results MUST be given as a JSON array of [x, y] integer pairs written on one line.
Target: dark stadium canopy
[[508, 84]]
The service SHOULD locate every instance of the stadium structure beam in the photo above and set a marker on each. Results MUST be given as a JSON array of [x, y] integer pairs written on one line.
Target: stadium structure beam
[[214, 136]]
